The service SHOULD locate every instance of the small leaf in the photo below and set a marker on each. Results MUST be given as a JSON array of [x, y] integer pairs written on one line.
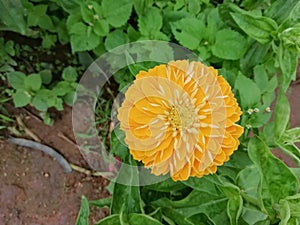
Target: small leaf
[[39, 103], [83, 216], [69, 74], [229, 45], [117, 145], [248, 90], [21, 98], [81, 38], [150, 22], [101, 27], [189, 32], [104, 202], [16, 79], [115, 39], [46, 76], [33, 82], [117, 12]]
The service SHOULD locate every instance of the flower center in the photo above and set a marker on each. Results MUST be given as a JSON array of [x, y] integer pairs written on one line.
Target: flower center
[[181, 117]]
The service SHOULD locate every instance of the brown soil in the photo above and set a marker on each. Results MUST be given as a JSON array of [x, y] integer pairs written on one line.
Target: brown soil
[[35, 190]]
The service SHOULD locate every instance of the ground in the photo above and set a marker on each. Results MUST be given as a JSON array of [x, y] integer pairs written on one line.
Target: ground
[[35, 190]]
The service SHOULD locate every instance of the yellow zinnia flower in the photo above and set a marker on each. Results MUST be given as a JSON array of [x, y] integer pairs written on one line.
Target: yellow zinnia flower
[[180, 119]]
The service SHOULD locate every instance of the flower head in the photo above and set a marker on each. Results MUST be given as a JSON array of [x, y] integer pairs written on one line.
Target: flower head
[[180, 119]]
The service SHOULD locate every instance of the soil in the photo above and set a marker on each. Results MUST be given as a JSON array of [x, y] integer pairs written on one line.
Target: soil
[[34, 188]]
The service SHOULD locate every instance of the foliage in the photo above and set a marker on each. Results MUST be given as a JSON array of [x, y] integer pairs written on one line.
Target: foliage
[[254, 45]]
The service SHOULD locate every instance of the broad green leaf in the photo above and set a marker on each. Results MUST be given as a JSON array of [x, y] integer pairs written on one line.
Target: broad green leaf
[[101, 27], [127, 198], [278, 181], [16, 79], [282, 115], [117, 12], [117, 145], [261, 77], [280, 9], [46, 76], [150, 23], [139, 219], [115, 39], [70, 6], [249, 182], [166, 186], [83, 216], [211, 204], [253, 215], [33, 82], [69, 74], [21, 98], [259, 28], [70, 98], [189, 32], [253, 56], [110, 220], [62, 88], [248, 90], [229, 45], [82, 38], [288, 61], [39, 103], [12, 16]]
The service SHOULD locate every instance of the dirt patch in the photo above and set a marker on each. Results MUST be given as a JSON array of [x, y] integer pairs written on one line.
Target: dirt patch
[[35, 189]]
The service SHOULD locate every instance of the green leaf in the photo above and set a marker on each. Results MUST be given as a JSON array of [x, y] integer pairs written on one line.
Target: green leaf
[[115, 39], [69, 74], [282, 115], [253, 215], [70, 98], [83, 216], [49, 40], [21, 98], [81, 37], [280, 9], [189, 32], [101, 27], [127, 198], [16, 79], [46, 76], [138, 219], [258, 27], [278, 181], [229, 45], [117, 145], [12, 16], [234, 209], [249, 182], [248, 90], [117, 12], [288, 61], [33, 82], [150, 22], [62, 88], [290, 210], [166, 186], [39, 103], [104, 202], [261, 77], [110, 220]]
